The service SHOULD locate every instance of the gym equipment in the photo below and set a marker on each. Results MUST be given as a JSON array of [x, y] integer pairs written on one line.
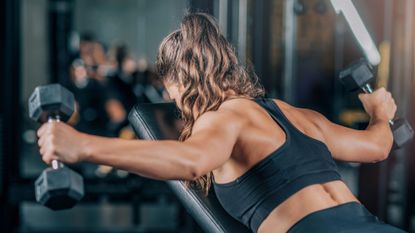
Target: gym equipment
[[159, 121], [358, 76], [58, 187], [299, 7]]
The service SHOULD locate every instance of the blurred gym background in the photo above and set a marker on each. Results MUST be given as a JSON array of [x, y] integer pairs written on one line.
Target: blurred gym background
[[104, 51]]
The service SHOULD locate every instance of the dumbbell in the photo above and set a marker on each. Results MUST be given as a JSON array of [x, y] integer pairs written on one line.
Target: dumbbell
[[359, 75], [58, 187]]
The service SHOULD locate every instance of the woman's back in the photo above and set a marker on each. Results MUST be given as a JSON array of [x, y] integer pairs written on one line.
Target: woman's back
[[260, 138]]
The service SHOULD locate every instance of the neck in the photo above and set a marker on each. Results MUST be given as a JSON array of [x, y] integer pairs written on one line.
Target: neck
[[229, 96]]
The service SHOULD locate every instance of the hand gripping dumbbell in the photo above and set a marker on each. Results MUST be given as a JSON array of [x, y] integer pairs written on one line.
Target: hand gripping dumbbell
[[58, 187], [358, 76]]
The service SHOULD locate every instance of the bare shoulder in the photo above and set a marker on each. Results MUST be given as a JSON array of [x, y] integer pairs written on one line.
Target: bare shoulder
[[309, 122], [309, 115], [229, 115]]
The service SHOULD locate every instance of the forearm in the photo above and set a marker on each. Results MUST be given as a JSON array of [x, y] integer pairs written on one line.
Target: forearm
[[164, 160], [381, 108]]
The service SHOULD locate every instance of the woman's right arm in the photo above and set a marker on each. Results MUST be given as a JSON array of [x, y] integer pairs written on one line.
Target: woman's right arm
[[370, 145]]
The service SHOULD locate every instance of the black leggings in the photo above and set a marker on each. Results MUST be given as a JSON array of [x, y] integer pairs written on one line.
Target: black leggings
[[350, 217]]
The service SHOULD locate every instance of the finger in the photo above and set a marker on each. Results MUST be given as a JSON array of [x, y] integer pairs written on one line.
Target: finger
[[378, 91], [44, 139], [41, 141], [392, 102], [392, 112], [362, 96], [389, 95], [41, 130], [49, 156], [42, 151], [382, 89]]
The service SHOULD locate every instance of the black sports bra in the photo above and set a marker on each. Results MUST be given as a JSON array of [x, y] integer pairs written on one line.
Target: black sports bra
[[301, 161]]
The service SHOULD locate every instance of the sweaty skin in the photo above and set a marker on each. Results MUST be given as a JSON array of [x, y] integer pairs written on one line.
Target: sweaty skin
[[228, 142]]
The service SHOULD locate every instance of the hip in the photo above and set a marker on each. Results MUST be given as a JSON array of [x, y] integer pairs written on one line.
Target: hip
[[344, 218]]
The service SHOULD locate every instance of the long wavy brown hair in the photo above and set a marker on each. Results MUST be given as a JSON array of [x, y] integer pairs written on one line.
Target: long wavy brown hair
[[199, 58]]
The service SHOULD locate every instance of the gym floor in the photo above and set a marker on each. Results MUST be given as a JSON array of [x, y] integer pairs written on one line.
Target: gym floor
[[296, 47]]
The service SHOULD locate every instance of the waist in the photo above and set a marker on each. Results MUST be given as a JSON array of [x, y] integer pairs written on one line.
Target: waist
[[306, 201], [259, 194], [344, 218]]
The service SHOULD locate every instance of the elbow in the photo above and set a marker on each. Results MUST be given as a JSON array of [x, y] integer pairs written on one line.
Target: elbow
[[193, 164], [382, 152], [192, 169], [378, 143], [195, 171], [381, 155], [380, 147]]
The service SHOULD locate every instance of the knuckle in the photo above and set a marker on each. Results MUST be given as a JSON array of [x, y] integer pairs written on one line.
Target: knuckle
[[45, 159], [52, 124], [52, 150]]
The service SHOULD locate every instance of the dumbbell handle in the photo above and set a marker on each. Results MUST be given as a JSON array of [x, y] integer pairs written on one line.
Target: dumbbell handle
[[56, 164], [368, 89]]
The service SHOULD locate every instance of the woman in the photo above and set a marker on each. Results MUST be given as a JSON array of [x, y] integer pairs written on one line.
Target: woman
[[271, 163]]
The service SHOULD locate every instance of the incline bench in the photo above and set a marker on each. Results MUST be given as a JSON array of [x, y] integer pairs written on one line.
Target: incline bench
[[160, 121]]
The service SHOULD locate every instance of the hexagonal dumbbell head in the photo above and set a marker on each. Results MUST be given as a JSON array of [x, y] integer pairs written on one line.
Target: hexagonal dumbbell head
[[51, 100], [402, 133], [357, 75], [59, 189]]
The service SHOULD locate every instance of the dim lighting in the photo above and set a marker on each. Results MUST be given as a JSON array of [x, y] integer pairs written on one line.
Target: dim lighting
[[358, 28]]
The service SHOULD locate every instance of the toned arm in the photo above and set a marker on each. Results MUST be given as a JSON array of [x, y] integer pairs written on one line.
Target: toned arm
[[211, 144], [370, 145]]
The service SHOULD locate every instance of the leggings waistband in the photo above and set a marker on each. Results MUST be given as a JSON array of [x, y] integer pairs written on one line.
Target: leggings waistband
[[347, 213]]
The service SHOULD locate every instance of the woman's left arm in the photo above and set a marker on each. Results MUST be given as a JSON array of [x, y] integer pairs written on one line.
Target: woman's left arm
[[211, 144]]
